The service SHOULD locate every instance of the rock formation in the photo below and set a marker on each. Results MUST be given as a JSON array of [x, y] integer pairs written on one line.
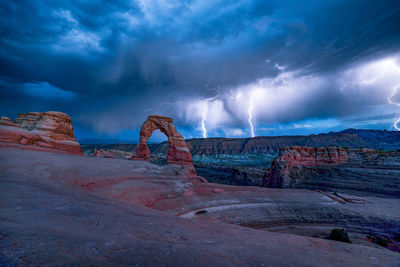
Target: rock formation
[[360, 171], [178, 152], [50, 130], [351, 138], [101, 153], [293, 159], [91, 211]]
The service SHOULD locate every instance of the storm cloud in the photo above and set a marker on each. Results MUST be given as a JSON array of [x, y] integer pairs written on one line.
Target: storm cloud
[[296, 66]]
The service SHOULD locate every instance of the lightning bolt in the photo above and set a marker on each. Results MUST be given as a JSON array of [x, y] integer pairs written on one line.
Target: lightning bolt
[[255, 94], [165, 103], [206, 101], [389, 63], [389, 99], [250, 118], [203, 121]]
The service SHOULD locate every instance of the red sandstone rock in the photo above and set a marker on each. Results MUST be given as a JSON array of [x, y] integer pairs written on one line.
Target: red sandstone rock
[[294, 158], [97, 153], [6, 121], [178, 152], [51, 130], [101, 153]]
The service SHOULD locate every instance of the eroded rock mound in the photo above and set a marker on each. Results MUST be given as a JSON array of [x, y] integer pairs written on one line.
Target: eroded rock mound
[[50, 130], [293, 159]]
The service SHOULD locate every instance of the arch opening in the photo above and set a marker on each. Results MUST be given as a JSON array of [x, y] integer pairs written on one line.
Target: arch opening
[[158, 146]]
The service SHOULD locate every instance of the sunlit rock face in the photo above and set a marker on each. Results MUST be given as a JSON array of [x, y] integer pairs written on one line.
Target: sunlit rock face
[[178, 152], [49, 130]]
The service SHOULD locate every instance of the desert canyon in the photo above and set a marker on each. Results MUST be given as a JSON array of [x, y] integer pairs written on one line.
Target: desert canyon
[[275, 203]]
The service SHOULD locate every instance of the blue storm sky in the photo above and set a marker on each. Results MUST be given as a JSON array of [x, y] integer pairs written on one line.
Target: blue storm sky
[[219, 68]]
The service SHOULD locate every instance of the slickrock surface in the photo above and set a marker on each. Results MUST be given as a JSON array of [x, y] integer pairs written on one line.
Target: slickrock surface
[[51, 131], [352, 170], [59, 209]]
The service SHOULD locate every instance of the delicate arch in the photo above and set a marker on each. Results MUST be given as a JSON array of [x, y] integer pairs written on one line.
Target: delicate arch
[[178, 152]]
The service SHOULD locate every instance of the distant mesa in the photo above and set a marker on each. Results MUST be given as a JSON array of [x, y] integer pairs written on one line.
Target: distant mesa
[[48, 131]]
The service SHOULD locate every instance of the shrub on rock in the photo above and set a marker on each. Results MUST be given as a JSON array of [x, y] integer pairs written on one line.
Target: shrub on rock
[[339, 234]]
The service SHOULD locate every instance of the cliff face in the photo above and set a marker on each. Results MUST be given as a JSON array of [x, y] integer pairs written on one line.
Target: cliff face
[[293, 159], [337, 169], [40, 130]]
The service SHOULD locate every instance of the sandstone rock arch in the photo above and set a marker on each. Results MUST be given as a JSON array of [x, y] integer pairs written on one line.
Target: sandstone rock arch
[[178, 152]]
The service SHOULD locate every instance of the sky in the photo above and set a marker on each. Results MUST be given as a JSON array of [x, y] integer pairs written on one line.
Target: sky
[[218, 68]]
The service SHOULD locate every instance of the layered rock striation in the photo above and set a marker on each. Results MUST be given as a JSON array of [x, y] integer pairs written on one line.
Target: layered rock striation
[[351, 138], [291, 160], [40, 130], [360, 171]]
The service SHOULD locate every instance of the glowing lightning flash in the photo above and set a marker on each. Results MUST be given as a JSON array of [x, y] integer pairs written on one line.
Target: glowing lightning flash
[[205, 113], [203, 121], [165, 103], [254, 94], [385, 66], [389, 99], [250, 112]]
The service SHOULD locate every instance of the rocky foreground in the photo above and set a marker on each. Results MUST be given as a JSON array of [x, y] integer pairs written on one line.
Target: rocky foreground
[[60, 209]]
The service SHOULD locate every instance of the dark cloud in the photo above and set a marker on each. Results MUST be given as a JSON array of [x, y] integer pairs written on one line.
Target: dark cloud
[[120, 58]]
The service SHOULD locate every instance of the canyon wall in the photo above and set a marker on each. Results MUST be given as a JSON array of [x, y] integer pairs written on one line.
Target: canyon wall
[[292, 159], [336, 169]]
